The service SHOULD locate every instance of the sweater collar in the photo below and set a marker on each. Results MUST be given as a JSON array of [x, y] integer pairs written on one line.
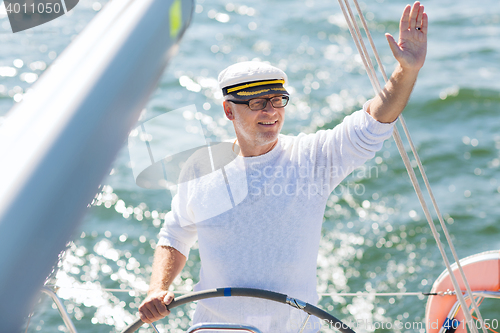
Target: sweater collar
[[270, 155]]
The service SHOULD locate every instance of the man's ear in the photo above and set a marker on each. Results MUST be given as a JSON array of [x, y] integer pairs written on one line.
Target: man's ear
[[228, 110]]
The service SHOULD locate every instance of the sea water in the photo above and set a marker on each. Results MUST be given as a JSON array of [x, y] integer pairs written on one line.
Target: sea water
[[375, 235]]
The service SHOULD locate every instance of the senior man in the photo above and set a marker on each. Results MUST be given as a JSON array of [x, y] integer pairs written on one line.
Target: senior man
[[270, 239]]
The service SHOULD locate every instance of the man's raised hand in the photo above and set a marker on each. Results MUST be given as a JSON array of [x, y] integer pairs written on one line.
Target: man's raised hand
[[411, 48]]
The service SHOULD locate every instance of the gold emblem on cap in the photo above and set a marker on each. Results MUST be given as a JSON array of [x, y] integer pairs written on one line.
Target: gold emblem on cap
[[251, 93]]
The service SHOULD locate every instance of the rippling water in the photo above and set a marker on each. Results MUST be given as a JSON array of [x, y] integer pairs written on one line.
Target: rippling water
[[375, 236]]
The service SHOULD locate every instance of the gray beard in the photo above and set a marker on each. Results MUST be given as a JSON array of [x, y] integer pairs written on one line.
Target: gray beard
[[260, 139]]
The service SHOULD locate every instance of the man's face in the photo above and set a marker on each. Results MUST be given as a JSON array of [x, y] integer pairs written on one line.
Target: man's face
[[262, 126]]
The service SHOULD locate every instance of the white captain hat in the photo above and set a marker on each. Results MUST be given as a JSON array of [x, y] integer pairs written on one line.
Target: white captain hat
[[250, 79]]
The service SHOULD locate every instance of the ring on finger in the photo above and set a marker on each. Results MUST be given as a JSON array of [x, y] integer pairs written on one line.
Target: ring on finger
[[418, 28]]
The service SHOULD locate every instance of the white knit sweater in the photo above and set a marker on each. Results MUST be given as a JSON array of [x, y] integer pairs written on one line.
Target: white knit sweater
[[263, 230]]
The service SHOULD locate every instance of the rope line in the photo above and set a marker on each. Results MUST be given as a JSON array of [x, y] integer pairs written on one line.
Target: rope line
[[417, 293], [370, 73], [114, 290], [484, 294], [372, 44], [443, 226], [356, 34]]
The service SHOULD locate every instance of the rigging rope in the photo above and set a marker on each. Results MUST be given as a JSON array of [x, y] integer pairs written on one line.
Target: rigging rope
[[358, 40], [484, 294]]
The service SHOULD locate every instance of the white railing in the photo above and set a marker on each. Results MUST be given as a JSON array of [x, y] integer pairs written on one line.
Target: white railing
[[59, 143]]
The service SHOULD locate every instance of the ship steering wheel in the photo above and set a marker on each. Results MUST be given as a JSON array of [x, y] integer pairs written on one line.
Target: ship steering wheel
[[256, 293]]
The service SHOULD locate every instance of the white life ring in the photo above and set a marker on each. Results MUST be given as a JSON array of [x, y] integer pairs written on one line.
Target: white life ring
[[442, 312]]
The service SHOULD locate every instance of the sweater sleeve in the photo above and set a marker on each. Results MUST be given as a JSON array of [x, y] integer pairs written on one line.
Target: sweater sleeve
[[338, 151], [178, 231]]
